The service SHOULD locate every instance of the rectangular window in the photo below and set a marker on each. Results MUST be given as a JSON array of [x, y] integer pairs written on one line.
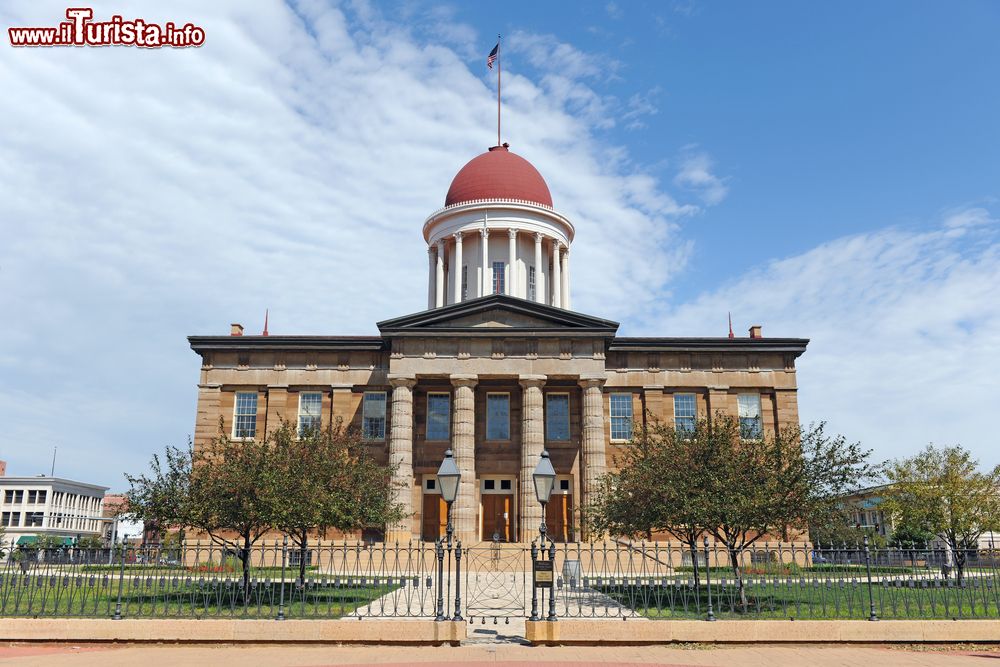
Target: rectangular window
[[33, 518], [531, 283], [310, 411], [557, 416], [685, 414], [465, 282], [621, 416], [32, 497], [8, 496], [11, 518], [749, 406], [498, 283], [19, 496], [245, 419], [41, 496], [373, 415], [498, 416], [438, 416]]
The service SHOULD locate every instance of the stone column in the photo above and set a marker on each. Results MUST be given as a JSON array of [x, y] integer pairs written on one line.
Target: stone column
[[539, 280], [439, 284], [430, 277], [565, 279], [556, 279], [464, 513], [532, 443], [401, 454], [594, 455], [485, 243], [511, 262], [457, 270]]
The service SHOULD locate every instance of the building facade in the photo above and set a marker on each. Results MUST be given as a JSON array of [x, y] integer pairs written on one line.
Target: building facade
[[34, 507], [497, 368]]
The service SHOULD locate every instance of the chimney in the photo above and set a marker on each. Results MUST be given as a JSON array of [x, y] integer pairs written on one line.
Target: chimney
[[755, 331], [3, 468], [236, 329]]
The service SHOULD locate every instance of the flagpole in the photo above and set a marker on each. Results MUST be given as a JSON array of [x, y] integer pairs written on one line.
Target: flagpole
[[498, 89]]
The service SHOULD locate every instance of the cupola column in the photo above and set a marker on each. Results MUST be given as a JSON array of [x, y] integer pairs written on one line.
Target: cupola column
[[565, 279], [511, 262], [484, 287], [556, 274], [439, 283], [430, 277], [539, 279], [457, 271]]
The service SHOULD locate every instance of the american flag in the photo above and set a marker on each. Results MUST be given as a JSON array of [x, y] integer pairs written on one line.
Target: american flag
[[490, 59]]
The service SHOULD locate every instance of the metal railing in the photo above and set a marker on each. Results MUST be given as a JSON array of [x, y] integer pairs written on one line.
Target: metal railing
[[655, 580], [201, 580], [669, 580]]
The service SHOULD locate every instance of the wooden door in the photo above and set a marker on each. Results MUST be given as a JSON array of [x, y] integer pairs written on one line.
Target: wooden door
[[434, 517], [559, 517], [498, 516]]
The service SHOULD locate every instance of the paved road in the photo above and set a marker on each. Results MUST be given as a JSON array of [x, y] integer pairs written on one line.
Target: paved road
[[509, 655]]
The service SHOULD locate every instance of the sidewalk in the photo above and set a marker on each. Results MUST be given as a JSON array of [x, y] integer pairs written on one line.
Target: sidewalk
[[513, 656]]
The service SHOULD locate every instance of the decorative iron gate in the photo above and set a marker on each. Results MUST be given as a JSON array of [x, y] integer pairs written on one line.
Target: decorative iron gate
[[496, 578]]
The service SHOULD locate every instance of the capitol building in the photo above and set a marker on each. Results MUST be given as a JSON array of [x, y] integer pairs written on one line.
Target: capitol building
[[498, 368]]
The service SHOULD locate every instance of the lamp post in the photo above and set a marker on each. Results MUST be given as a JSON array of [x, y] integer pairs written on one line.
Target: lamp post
[[544, 478], [448, 478]]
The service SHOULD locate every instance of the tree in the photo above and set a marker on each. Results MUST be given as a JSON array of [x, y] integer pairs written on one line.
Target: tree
[[941, 491], [229, 489], [655, 489], [330, 481], [777, 484], [739, 490]]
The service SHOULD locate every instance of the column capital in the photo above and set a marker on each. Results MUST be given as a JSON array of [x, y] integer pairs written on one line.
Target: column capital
[[557, 245], [458, 236], [399, 380], [463, 380], [539, 237], [485, 231], [588, 381], [440, 245], [527, 381], [431, 249], [512, 233]]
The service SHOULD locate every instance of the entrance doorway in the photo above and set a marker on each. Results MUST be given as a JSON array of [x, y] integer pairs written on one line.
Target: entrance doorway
[[498, 511], [434, 513], [559, 511]]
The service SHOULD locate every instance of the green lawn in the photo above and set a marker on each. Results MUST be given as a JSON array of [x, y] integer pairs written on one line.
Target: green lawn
[[166, 596], [835, 599]]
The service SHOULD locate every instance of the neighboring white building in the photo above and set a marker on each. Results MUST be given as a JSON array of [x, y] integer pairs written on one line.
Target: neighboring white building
[[49, 506]]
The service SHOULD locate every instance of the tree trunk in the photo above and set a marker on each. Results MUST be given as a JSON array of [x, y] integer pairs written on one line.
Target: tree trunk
[[734, 560], [245, 561], [694, 562], [303, 552]]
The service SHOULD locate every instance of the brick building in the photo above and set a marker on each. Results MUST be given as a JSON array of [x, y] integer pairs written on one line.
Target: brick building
[[497, 368]]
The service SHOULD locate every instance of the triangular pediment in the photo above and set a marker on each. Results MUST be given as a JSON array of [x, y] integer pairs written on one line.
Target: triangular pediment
[[498, 314]]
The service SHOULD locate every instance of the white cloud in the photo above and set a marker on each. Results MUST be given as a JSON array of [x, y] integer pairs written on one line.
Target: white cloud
[[696, 175], [287, 164], [904, 328]]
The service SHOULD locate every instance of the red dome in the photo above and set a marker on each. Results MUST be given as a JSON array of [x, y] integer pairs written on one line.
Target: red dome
[[498, 174]]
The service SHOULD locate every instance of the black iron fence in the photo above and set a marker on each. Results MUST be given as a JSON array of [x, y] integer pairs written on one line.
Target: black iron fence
[[655, 580]]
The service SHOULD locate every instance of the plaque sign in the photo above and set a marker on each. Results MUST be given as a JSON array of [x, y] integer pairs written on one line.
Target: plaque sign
[[543, 573]]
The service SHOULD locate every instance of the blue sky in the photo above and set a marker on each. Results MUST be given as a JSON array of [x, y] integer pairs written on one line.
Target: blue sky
[[828, 171]]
